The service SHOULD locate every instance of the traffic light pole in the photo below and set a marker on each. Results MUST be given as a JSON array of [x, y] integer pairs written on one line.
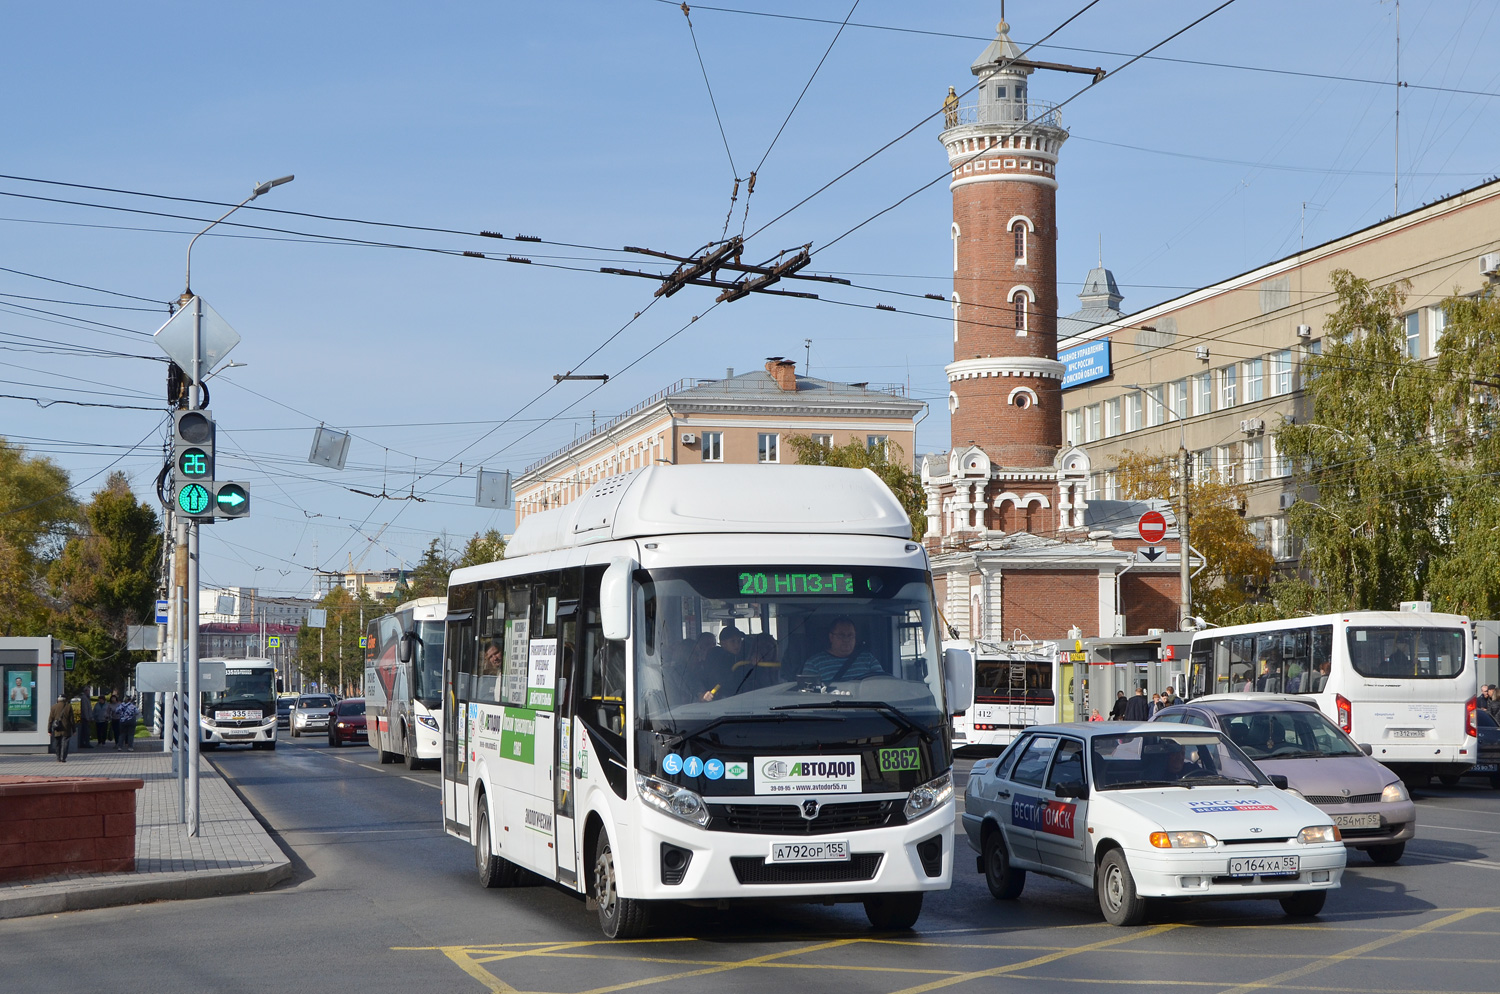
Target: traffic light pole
[[193, 692]]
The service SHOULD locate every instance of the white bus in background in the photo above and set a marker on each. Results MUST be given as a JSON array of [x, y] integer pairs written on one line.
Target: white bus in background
[[1016, 684], [244, 712], [1402, 683], [403, 682], [587, 743]]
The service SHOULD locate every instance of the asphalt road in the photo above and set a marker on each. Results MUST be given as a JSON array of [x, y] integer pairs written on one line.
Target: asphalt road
[[384, 901]]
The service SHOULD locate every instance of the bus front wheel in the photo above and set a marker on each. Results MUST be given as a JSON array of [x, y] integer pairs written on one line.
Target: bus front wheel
[[619, 917], [893, 912]]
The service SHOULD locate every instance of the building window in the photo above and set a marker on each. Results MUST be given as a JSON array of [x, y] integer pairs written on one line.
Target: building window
[[1000, 93], [824, 440], [957, 306], [1133, 412], [1154, 409], [1414, 335], [1203, 393], [1111, 487], [1113, 422], [1091, 423], [1019, 230], [1020, 314], [1437, 323], [1228, 387], [1177, 398], [1255, 460], [1279, 544], [955, 250], [1075, 427], [1275, 465], [769, 442], [878, 443], [1255, 381], [1229, 461], [1203, 465], [1281, 373], [713, 446]]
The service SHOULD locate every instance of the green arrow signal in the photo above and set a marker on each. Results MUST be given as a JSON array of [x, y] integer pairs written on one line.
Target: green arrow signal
[[232, 499], [193, 498]]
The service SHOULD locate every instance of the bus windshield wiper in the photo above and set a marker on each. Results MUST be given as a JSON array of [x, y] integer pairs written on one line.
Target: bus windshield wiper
[[681, 737], [890, 710]]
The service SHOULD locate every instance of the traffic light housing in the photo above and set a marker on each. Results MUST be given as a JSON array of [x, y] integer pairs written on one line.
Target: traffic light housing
[[193, 463], [231, 500]]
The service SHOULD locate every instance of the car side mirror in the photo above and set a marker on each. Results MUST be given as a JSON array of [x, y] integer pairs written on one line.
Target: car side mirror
[[1072, 790], [958, 679], [1278, 781], [614, 599], [1367, 749]]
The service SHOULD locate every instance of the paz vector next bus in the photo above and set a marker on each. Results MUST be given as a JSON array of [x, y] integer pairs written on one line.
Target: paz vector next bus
[[706, 683]]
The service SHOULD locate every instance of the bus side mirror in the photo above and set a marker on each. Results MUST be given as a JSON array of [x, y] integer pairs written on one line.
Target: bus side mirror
[[958, 678], [403, 647], [614, 599]]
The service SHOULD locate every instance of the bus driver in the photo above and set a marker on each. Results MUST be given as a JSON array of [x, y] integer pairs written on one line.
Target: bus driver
[[840, 661]]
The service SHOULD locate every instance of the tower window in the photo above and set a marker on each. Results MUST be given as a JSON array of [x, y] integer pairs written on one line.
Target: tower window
[[1000, 92], [1019, 230], [1020, 314]]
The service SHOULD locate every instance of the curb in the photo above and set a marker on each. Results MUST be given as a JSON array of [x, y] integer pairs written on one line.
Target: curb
[[113, 895]]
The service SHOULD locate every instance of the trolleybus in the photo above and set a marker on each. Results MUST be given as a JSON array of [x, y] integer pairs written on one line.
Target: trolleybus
[[1402, 683], [244, 712], [1016, 684], [706, 683], [403, 682]]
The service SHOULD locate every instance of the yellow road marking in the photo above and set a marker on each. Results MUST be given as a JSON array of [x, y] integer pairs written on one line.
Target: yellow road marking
[[1157, 982], [1334, 959]]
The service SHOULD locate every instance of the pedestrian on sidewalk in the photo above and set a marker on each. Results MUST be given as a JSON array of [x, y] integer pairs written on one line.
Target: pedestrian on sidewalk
[[126, 713], [82, 723], [101, 718], [60, 727]]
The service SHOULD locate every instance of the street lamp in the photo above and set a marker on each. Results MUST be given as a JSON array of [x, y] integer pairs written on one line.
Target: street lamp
[[187, 532], [1185, 577]]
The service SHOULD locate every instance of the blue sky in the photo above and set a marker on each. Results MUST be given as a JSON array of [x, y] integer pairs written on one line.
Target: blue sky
[[589, 123]]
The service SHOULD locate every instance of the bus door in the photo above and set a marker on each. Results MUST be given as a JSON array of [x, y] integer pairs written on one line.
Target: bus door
[[529, 740], [565, 840], [458, 676]]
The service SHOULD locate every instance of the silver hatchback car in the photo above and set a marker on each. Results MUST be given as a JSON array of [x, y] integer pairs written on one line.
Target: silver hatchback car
[[1290, 737]]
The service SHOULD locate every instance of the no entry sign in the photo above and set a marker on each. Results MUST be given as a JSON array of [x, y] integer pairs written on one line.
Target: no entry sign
[[1152, 527]]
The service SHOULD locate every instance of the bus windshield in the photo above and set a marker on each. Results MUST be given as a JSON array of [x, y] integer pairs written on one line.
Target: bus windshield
[[242, 685], [725, 643], [427, 663]]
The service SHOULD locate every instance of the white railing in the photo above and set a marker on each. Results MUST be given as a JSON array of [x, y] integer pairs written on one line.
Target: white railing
[[1027, 112]]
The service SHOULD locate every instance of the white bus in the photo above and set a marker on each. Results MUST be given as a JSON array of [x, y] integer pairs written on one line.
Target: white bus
[[403, 682], [244, 712], [1016, 684], [1402, 683], [605, 729]]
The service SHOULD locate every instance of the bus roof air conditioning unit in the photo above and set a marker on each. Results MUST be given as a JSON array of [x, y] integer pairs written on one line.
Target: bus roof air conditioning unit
[[689, 438]]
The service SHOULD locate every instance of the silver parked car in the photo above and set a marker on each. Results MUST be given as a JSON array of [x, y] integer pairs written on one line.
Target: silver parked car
[[310, 713], [1291, 737]]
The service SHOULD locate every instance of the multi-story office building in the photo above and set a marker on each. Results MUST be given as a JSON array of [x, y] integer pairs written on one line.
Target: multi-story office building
[[1218, 368]]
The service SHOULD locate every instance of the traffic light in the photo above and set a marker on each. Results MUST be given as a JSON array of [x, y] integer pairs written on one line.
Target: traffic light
[[193, 462], [231, 500]]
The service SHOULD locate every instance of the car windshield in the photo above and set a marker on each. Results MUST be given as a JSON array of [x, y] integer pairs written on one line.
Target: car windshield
[[1294, 734], [725, 643], [1185, 758], [351, 707], [315, 702]]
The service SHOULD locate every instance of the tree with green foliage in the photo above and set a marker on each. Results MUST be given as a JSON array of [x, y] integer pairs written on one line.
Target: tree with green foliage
[[37, 514], [106, 580], [886, 461], [1372, 445], [430, 576], [480, 549], [1236, 570], [333, 654]]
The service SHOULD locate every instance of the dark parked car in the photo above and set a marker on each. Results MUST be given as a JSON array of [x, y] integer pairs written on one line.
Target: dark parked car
[[1367, 802], [347, 722], [1488, 764], [284, 710]]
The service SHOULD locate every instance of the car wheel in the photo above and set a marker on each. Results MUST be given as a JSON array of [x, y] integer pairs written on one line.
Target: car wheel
[[619, 917], [294, 732], [1305, 904], [1115, 888], [494, 871], [1448, 779], [893, 912], [1387, 854], [1005, 881]]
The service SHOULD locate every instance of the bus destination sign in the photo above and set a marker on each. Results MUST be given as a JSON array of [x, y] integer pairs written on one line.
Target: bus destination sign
[[797, 583]]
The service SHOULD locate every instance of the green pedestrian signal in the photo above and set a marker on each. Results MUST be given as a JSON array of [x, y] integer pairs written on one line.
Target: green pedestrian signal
[[193, 499], [231, 500]]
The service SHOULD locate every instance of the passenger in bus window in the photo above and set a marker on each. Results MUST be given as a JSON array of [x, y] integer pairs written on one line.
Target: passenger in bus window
[[490, 665], [841, 661], [1320, 679], [1398, 663], [691, 675], [1269, 681], [759, 668]]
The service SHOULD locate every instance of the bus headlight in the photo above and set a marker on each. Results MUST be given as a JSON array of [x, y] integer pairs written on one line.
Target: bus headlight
[[427, 720], [208, 722], [679, 802], [929, 797], [1395, 792]]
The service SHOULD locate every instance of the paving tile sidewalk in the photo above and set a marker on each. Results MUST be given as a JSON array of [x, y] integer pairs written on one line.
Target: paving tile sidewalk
[[232, 853]]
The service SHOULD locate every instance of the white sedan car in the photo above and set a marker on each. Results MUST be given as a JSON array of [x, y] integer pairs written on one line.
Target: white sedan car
[[1140, 811]]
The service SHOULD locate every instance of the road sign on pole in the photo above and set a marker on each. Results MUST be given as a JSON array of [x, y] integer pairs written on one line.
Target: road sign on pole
[[1152, 527]]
